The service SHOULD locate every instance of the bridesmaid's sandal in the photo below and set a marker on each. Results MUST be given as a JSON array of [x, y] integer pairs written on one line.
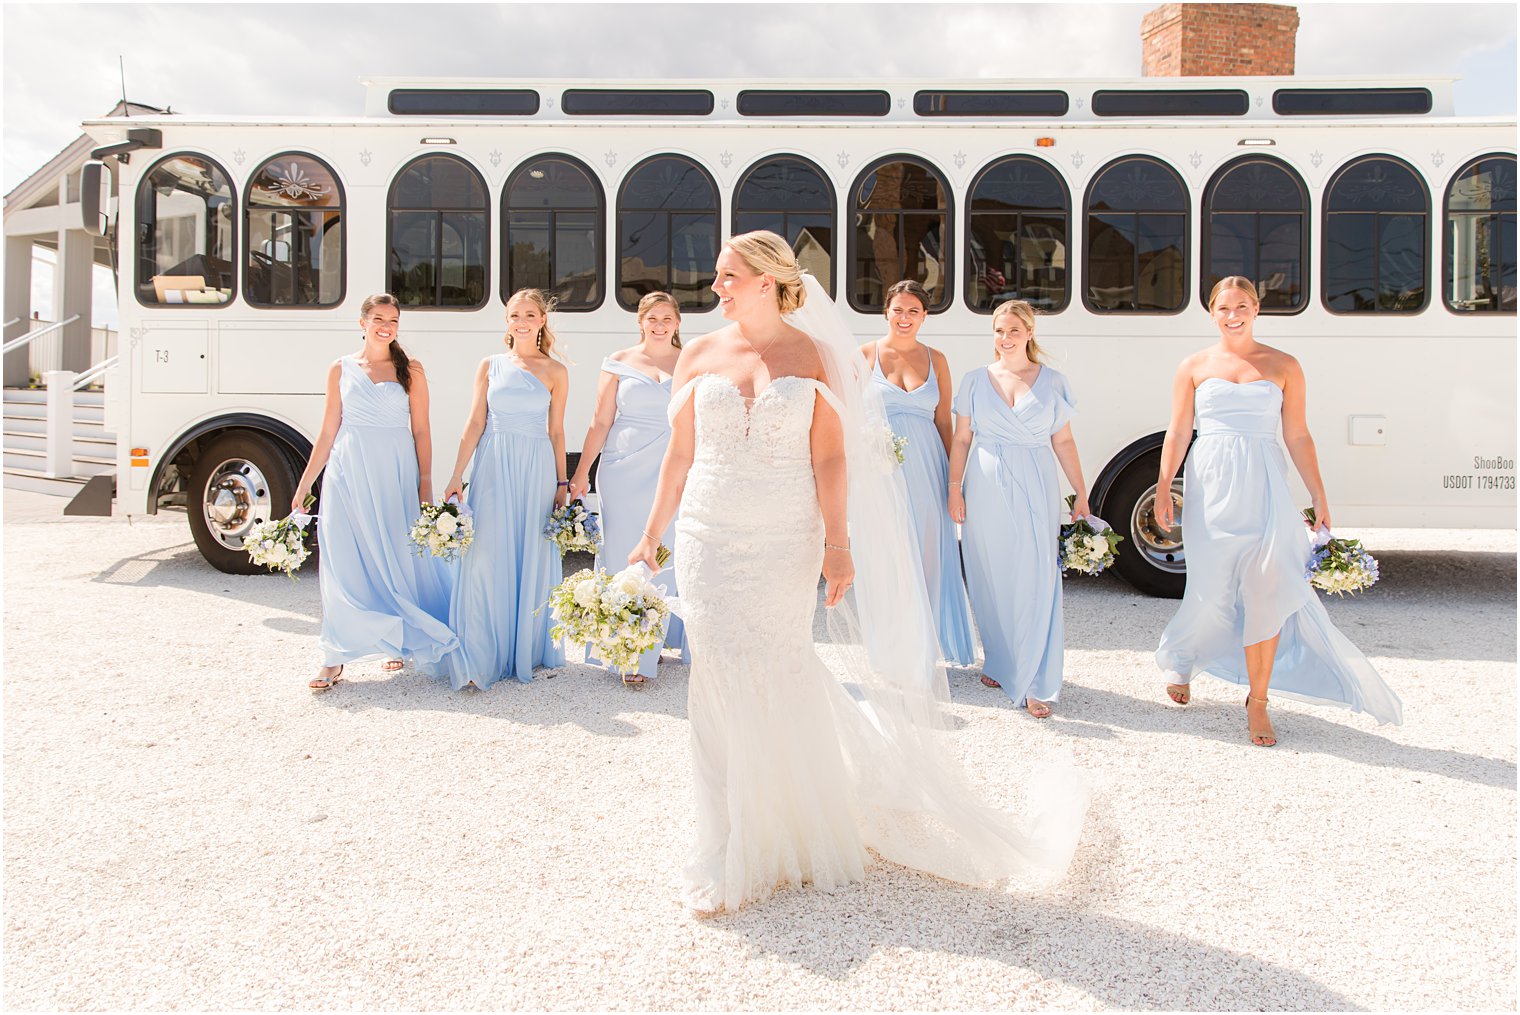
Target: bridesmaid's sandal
[[1260, 737], [1038, 709], [392, 665], [321, 683], [989, 682], [632, 679], [1180, 693]]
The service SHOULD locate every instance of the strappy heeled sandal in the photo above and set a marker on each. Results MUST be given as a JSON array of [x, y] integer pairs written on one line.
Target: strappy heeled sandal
[[1259, 737], [321, 683]]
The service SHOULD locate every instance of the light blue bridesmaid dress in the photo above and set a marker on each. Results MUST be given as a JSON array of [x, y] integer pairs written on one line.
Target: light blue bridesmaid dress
[[1013, 523], [507, 573], [626, 479], [1247, 551], [926, 470], [378, 597]]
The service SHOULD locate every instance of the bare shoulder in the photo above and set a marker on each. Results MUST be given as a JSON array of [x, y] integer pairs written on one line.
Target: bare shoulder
[[941, 363], [867, 348], [415, 365], [1192, 364], [624, 355], [557, 370]]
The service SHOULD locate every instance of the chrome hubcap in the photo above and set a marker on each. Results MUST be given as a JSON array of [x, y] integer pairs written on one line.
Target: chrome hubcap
[[237, 496], [1162, 548]]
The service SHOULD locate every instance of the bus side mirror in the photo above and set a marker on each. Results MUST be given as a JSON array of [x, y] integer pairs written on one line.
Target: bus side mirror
[[94, 198]]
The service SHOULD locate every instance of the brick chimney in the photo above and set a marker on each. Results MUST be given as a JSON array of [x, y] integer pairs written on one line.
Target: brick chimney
[[1196, 40]]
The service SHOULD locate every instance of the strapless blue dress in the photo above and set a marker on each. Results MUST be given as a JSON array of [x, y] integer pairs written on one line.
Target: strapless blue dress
[[1247, 551], [926, 471]]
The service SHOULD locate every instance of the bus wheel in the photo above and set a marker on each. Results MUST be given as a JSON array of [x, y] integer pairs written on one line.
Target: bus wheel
[[1151, 558], [239, 480]]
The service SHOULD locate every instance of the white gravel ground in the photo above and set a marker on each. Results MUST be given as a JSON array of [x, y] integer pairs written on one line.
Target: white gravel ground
[[187, 827]]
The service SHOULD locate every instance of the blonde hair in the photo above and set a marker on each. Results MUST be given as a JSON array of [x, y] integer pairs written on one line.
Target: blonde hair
[[765, 253], [545, 303], [654, 299], [1025, 313], [1240, 282]]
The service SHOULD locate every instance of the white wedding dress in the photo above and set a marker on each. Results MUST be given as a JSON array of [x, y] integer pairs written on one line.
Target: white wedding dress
[[796, 775]]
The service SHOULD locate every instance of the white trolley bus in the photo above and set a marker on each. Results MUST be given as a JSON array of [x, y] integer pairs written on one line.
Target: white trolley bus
[[1380, 229]]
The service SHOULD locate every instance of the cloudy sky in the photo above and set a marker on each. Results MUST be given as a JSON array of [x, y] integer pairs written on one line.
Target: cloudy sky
[[306, 59]]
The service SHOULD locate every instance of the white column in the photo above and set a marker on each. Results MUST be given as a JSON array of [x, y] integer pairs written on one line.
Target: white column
[[60, 422], [18, 304], [73, 284]]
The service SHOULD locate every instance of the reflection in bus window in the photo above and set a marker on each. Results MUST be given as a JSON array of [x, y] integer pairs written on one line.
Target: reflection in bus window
[[792, 198], [185, 233], [1016, 235], [294, 229], [1375, 238], [668, 233], [438, 234], [552, 221], [1480, 236], [1254, 226], [1137, 224], [901, 228]]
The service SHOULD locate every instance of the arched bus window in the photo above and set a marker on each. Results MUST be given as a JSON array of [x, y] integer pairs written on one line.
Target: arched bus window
[[185, 233], [1136, 247], [1375, 258], [793, 198], [1254, 225], [1017, 235], [294, 230], [552, 214], [667, 233], [1480, 237], [438, 235], [901, 230]]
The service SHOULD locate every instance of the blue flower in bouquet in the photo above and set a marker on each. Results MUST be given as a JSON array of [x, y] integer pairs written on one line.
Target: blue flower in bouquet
[[574, 528], [1339, 566]]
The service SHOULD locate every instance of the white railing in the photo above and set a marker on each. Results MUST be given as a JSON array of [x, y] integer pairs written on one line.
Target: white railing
[[28, 339], [46, 352], [97, 371]]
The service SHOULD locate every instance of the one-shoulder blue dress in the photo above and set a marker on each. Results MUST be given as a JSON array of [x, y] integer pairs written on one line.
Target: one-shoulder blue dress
[[626, 479], [1247, 551], [926, 471], [506, 575], [1013, 524], [379, 599]]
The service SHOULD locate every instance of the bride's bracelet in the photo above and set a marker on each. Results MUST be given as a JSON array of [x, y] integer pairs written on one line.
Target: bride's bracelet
[[648, 536], [830, 546]]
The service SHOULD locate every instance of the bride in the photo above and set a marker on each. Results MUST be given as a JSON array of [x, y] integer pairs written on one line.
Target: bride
[[781, 469]]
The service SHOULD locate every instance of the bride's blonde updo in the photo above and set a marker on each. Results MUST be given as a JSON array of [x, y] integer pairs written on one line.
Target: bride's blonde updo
[[765, 253]]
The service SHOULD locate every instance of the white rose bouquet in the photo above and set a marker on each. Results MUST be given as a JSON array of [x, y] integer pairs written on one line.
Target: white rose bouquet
[[443, 530], [1339, 565], [898, 445], [574, 527], [281, 545], [616, 618], [1088, 545]]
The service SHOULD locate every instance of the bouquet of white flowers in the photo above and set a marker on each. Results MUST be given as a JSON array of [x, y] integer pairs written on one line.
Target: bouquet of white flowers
[[616, 618], [281, 545], [1339, 565], [1088, 545], [444, 530], [899, 445], [574, 527]]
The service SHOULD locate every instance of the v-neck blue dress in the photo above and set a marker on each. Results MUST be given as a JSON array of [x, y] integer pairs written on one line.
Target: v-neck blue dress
[[1013, 523], [926, 471], [1246, 556], [505, 577], [379, 599], [626, 479]]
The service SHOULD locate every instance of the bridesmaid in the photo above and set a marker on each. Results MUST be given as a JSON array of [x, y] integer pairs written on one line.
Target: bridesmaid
[[378, 597], [1019, 412], [914, 381], [1248, 615], [631, 431], [516, 435]]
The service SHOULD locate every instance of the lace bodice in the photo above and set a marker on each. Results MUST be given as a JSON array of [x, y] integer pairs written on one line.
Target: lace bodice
[[758, 435]]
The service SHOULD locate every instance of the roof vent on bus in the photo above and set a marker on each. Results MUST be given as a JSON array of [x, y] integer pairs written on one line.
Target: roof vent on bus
[[462, 101]]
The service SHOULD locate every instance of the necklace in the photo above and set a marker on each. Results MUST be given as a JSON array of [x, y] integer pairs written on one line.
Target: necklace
[[760, 352]]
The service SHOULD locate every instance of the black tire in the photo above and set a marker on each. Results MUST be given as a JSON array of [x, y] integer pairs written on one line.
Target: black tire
[[1148, 559], [239, 479]]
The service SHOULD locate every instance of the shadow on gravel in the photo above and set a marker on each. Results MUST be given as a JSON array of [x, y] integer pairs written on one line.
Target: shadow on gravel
[[182, 567], [1123, 964], [573, 694], [1089, 712]]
